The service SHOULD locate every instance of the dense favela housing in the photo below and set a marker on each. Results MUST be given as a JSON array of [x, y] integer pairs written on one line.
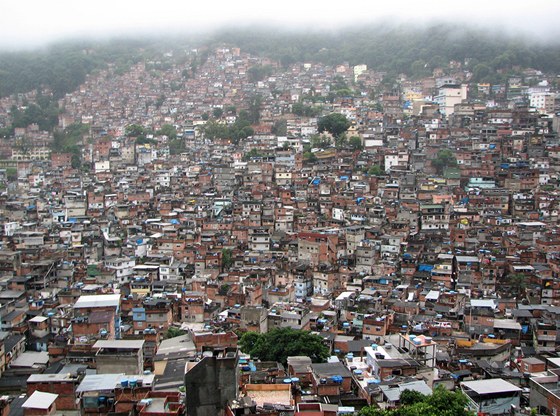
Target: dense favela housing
[[241, 237]]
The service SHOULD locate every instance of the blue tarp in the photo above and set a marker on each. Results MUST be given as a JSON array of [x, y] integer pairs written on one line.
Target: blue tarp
[[336, 379]]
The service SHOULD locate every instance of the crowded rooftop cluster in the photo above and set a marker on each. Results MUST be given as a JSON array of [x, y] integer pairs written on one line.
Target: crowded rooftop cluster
[[227, 234]]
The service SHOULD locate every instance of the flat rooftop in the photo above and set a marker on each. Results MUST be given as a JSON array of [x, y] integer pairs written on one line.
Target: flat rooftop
[[98, 301], [270, 393], [490, 386], [123, 344]]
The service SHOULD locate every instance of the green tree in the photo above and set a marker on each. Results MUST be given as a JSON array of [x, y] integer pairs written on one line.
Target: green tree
[[517, 284], [76, 161], [409, 397], [300, 109], [249, 340], [11, 174], [217, 112], [69, 141], [251, 154], [44, 115], [160, 100], [177, 146], [310, 157], [134, 130], [340, 141], [322, 142], [334, 123], [440, 403], [254, 109], [280, 128], [443, 159], [355, 143], [243, 117], [145, 140], [419, 69], [281, 343], [482, 72], [259, 72], [168, 130], [6, 132], [227, 258], [375, 170], [224, 289], [173, 332], [213, 130]]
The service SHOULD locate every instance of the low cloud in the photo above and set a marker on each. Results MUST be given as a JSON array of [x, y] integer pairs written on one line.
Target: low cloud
[[38, 22]]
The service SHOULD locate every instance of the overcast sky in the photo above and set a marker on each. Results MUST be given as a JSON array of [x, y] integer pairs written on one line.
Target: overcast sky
[[29, 23]]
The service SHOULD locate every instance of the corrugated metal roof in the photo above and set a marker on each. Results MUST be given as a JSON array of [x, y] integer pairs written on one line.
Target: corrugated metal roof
[[97, 301], [120, 343], [490, 386], [40, 400]]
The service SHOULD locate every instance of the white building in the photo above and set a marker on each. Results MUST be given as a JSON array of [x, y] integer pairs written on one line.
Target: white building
[[450, 95], [543, 102]]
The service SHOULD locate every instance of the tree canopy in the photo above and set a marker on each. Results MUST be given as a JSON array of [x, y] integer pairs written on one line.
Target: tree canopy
[[355, 143], [241, 129], [173, 332], [334, 123], [227, 258], [68, 140], [168, 130], [412, 50], [300, 109], [281, 343], [134, 130], [44, 114], [444, 158], [440, 403], [375, 170]]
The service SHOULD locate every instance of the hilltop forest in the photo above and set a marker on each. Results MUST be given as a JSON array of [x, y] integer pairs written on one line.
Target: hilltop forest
[[395, 49]]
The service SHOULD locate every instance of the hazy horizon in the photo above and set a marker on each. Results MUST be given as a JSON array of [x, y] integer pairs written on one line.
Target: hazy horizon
[[35, 24]]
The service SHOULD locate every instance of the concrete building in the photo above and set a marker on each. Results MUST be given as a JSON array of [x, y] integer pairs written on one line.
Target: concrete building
[[492, 396], [119, 356], [211, 382], [450, 95]]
